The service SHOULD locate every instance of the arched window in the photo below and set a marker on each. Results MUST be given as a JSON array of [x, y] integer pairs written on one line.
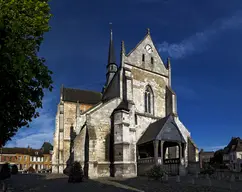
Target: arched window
[[149, 100]]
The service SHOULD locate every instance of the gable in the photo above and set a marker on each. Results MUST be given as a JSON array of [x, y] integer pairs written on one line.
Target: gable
[[164, 129], [170, 132], [147, 48]]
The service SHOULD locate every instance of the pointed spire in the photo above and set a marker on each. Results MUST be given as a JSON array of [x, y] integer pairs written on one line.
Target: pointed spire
[[62, 92], [168, 63], [123, 48], [111, 54], [148, 31], [169, 70]]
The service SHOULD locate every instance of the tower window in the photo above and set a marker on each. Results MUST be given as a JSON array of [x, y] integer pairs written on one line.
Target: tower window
[[152, 60], [143, 57], [135, 119], [149, 100]]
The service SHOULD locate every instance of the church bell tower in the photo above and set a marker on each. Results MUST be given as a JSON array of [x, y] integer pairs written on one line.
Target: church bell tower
[[111, 66]]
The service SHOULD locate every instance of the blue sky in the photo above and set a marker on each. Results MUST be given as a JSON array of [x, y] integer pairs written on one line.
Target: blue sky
[[202, 37]]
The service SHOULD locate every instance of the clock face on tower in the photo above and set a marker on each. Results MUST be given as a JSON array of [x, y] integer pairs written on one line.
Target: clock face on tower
[[148, 48]]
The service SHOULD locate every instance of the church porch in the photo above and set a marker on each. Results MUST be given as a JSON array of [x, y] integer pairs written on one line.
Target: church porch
[[168, 154], [162, 144]]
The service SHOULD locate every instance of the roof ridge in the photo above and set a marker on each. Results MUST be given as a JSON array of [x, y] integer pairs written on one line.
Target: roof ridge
[[77, 89]]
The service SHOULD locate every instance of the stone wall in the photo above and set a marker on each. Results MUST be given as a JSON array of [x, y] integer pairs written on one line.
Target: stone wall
[[135, 57], [193, 167], [84, 107], [55, 144], [69, 122], [192, 152], [99, 127], [143, 122], [79, 147], [158, 85], [61, 143]]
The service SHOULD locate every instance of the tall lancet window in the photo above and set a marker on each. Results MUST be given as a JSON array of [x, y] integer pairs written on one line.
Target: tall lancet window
[[149, 100]]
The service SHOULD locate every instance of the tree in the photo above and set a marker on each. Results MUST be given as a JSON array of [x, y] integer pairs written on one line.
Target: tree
[[23, 74], [218, 157], [14, 170]]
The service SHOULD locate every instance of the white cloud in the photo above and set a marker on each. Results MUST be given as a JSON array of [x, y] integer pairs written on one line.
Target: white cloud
[[213, 148], [40, 130], [34, 140], [198, 42]]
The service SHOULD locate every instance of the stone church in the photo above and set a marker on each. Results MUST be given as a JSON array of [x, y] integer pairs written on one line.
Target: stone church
[[130, 126]]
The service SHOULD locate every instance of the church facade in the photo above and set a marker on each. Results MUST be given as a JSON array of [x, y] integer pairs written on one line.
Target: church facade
[[130, 126]]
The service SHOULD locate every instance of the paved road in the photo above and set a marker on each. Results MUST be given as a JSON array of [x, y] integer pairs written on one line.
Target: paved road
[[58, 183]]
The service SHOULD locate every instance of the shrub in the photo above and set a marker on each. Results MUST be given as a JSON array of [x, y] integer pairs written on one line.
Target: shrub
[[208, 170], [157, 172], [14, 170], [5, 171], [76, 173]]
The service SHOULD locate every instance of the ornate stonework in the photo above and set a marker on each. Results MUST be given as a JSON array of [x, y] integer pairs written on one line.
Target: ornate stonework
[[137, 98]]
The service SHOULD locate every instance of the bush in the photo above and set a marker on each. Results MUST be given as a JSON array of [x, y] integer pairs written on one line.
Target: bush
[[31, 170], [157, 172], [76, 173], [14, 170], [5, 172], [208, 170]]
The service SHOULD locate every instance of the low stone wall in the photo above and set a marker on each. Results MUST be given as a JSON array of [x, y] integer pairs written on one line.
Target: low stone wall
[[228, 173], [103, 169], [193, 167]]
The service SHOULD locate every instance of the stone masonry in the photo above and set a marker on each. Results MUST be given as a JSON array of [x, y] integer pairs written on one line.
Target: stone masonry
[[106, 131]]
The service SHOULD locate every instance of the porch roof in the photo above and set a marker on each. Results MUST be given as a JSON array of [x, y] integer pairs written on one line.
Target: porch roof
[[164, 129]]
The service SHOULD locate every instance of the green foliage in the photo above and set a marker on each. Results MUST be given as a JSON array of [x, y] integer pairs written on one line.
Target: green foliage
[[157, 172], [208, 169], [14, 169], [23, 74], [76, 173], [218, 157], [4, 171]]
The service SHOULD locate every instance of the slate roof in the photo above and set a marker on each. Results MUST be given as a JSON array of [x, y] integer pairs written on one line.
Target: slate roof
[[83, 96], [111, 53], [164, 129], [23, 151], [46, 148], [14, 150], [235, 145]]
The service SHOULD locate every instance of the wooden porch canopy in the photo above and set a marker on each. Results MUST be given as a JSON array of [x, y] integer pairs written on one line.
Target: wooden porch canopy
[[164, 129]]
